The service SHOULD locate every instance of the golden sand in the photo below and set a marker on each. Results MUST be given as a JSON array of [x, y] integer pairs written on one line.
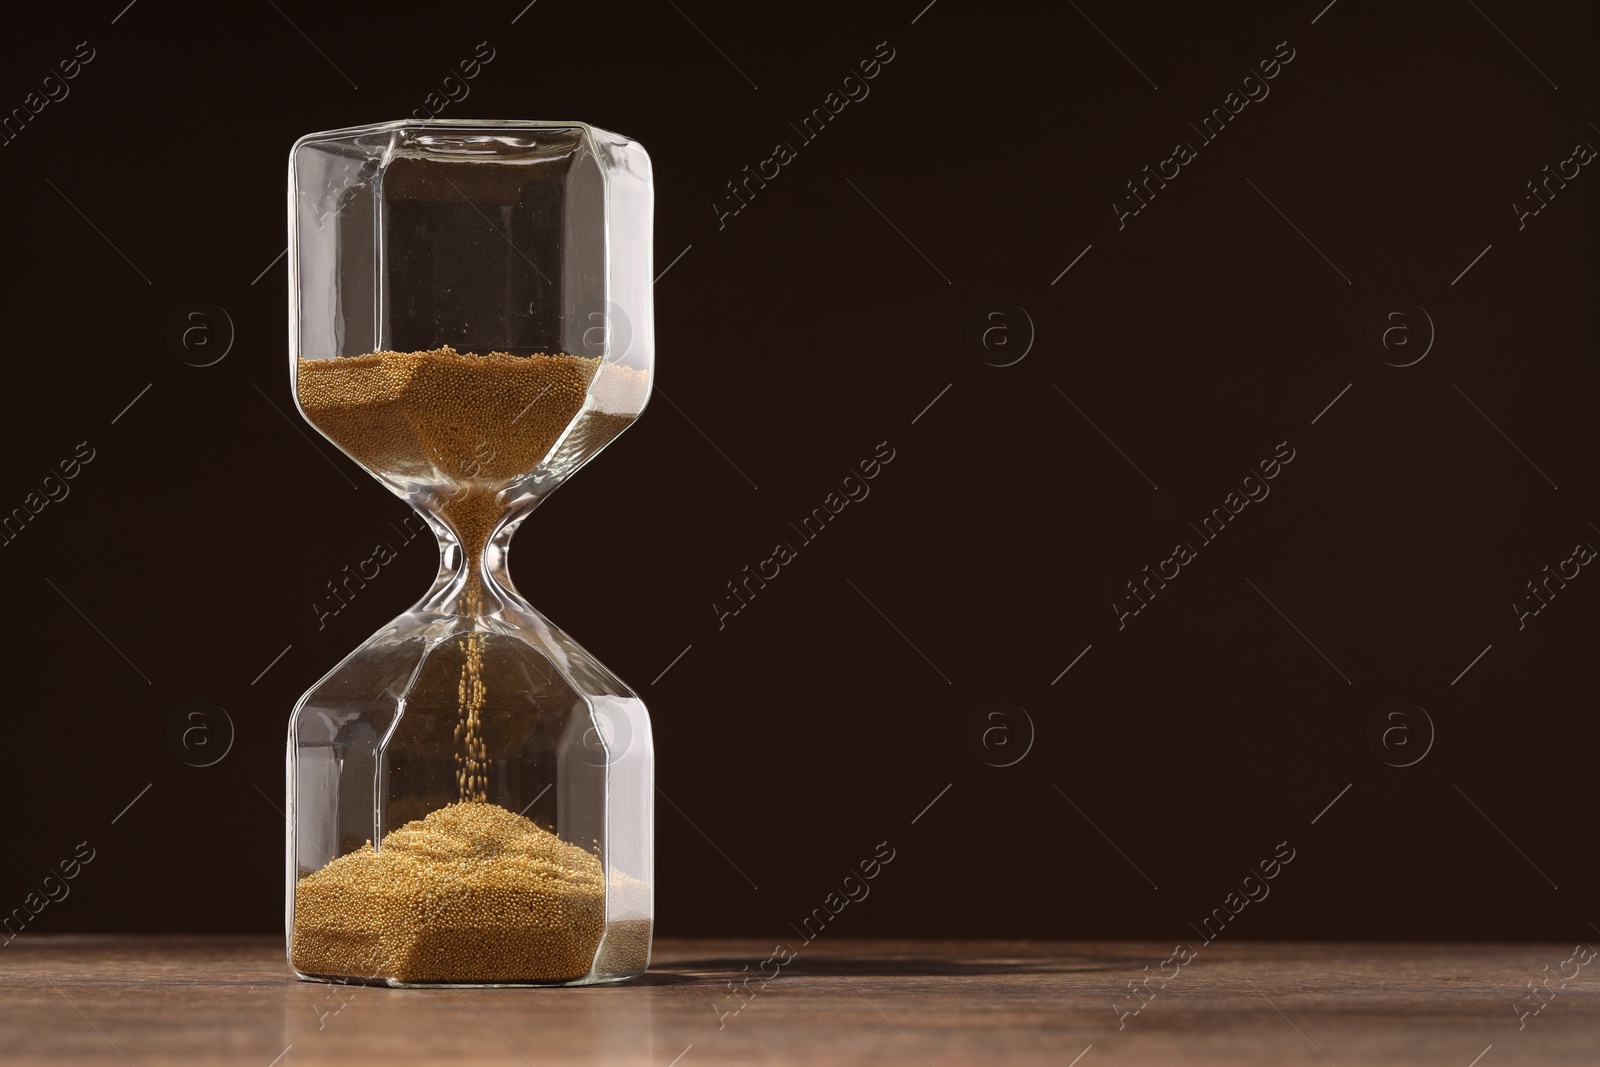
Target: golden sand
[[471, 893]]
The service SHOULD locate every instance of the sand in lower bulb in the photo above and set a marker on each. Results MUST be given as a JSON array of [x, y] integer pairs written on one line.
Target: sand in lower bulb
[[471, 893]]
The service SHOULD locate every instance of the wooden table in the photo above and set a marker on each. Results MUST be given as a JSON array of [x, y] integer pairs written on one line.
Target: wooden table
[[152, 1001]]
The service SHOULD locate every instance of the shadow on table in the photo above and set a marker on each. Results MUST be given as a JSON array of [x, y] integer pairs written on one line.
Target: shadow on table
[[719, 969]]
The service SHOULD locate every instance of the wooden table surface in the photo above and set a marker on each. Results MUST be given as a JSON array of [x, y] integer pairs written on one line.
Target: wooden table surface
[[153, 1001]]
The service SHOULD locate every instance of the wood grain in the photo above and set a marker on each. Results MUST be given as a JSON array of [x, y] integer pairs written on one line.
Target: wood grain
[[155, 1001]]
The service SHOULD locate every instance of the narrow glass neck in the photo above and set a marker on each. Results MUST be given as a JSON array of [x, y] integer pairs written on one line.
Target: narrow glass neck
[[474, 583]]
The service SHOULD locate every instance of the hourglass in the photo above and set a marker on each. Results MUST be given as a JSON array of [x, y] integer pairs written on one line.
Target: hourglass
[[470, 793]]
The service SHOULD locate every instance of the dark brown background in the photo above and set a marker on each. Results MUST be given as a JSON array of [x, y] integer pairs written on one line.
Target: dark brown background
[[797, 338]]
